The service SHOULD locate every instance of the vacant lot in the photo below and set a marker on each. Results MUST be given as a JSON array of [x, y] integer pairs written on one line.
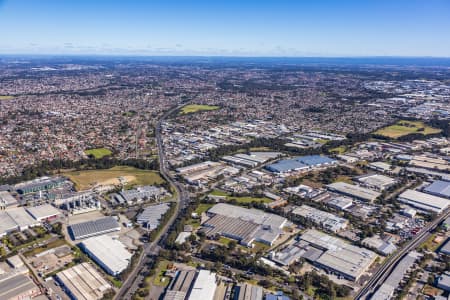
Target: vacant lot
[[241, 199], [128, 176], [192, 108], [402, 128], [98, 153]]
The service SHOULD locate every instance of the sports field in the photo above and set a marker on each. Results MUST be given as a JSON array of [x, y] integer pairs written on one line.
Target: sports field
[[99, 152], [128, 176], [193, 108], [402, 128]]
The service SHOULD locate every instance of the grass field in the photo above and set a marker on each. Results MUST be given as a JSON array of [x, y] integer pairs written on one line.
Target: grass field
[[193, 108], [160, 279], [6, 97], [402, 128], [241, 199], [87, 179], [98, 153]]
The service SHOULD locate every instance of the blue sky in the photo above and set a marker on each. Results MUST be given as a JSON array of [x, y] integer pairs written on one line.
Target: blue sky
[[229, 28]]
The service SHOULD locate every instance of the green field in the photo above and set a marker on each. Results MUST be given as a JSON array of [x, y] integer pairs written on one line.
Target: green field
[[193, 108], [98, 153], [6, 97], [241, 199], [84, 180], [402, 128]]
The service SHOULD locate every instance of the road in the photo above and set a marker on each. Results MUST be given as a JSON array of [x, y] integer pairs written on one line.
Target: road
[[383, 272], [131, 285]]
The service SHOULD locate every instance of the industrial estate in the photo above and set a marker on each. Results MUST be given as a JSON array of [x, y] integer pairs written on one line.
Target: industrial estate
[[185, 179]]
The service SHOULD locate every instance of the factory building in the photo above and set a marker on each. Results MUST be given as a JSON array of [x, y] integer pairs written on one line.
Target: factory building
[[204, 287], [322, 218], [251, 160], [423, 201], [92, 228], [376, 181], [38, 185], [152, 215], [301, 163], [244, 225], [83, 282], [354, 191], [18, 287], [140, 194], [246, 291], [7, 200], [439, 188], [337, 256], [45, 212], [108, 253]]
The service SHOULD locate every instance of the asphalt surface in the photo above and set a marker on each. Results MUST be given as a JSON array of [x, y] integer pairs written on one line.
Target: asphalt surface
[[383, 272], [131, 285]]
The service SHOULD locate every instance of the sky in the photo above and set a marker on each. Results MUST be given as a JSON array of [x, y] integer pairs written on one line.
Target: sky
[[226, 28]]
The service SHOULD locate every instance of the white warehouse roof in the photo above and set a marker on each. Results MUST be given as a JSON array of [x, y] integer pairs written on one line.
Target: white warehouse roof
[[109, 253], [424, 201], [43, 212], [204, 286]]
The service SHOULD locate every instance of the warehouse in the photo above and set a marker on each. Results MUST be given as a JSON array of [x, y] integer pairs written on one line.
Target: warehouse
[[300, 163], [251, 160], [141, 193], [18, 287], [45, 212], [93, 228], [354, 191], [253, 215], [7, 200], [377, 181], [246, 291], [423, 201], [439, 188], [204, 287], [83, 282], [107, 252], [338, 256], [40, 184], [340, 203], [22, 218], [181, 284], [322, 218], [152, 215]]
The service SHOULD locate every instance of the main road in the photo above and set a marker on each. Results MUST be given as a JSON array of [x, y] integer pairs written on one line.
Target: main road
[[383, 272], [131, 285]]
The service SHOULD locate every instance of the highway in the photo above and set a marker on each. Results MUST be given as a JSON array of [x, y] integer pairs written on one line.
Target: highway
[[385, 270], [131, 285]]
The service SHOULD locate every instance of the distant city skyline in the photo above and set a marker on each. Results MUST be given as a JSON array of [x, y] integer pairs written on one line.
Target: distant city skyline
[[226, 28]]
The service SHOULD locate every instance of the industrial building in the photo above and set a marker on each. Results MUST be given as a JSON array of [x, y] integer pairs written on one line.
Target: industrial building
[[92, 228], [246, 291], [152, 215], [244, 225], [251, 160], [83, 282], [16, 219], [354, 191], [337, 256], [387, 289], [45, 212], [203, 172], [322, 218], [340, 203], [78, 203], [7, 200], [140, 194], [377, 181], [423, 201], [17, 287], [382, 247], [300, 163], [439, 188], [39, 184], [443, 282], [204, 287], [107, 252], [445, 249]]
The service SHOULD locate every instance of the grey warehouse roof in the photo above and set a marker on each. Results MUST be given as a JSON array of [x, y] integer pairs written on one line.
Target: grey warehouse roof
[[92, 228]]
